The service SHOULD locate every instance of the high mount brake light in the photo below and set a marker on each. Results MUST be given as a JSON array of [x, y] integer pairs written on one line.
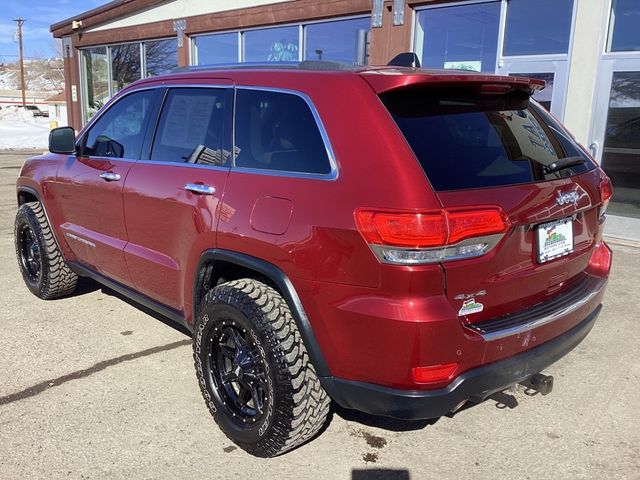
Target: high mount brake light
[[429, 237]]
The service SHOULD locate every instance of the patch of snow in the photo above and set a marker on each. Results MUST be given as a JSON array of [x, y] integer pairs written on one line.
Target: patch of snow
[[19, 129]]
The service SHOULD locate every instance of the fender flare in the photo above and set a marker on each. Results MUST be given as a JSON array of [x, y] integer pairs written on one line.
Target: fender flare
[[289, 293]]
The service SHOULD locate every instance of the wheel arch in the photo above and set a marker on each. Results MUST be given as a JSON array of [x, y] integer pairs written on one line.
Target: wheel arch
[[27, 194], [213, 262]]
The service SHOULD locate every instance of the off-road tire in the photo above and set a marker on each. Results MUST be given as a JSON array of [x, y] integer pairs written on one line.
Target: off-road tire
[[55, 279], [299, 404]]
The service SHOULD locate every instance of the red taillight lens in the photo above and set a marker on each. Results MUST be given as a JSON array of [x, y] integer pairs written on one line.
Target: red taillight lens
[[600, 261], [476, 223], [434, 373], [606, 192], [416, 230], [429, 229], [606, 189]]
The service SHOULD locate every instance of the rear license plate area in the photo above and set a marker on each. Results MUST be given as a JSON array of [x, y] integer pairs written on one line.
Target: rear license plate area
[[554, 239]]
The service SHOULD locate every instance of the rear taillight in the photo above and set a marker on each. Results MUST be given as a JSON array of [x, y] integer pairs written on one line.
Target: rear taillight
[[408, 238], [600, 260], [606, 191]]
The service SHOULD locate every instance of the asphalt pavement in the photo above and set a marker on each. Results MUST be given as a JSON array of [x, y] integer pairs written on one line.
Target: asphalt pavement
[[93, 386]]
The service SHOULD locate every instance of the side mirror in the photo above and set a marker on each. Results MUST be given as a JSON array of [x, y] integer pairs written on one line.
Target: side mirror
[[62, 140]]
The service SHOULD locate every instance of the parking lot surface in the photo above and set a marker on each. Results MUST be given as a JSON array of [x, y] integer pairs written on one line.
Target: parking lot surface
[[93, 386]]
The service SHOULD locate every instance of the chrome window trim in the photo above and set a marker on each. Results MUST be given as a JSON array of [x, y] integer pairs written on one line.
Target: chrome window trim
[[332, 175]]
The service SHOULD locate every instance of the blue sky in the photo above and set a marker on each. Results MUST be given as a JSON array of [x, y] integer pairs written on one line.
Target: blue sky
[[40, 14]]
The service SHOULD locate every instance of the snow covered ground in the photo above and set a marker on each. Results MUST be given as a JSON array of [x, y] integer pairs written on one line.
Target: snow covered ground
[[19, 129]]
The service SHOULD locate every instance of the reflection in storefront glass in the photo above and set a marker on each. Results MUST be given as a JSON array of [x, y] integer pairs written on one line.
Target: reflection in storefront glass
[[160, 56], [271, 45], [462, 37], [536, 27], [624, 34], [217, 49], [96, 79], [125, 65], [336, 41], [621, 153], [542, 97]]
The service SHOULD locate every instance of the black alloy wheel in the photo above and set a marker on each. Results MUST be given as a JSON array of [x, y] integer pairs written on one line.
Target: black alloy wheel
[[29, 253], [238, 372]]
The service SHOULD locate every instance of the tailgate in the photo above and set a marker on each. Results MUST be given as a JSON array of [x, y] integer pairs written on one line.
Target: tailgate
[[480, 146]]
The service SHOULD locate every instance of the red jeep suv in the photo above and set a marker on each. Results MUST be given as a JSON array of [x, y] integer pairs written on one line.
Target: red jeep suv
[[401, 241]]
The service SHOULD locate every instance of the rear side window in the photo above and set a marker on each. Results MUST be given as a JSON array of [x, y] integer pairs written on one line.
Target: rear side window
[[119, 133], [191, 127], [465, 140], [277, 131]]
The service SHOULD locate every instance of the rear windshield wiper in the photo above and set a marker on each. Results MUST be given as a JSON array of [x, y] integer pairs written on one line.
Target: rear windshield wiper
[[563, 163]]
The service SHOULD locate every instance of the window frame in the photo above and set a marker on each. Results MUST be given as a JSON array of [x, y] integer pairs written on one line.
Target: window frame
[[150, 121]]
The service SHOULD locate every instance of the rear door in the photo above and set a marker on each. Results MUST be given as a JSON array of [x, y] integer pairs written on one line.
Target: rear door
[[173, 196], [89, 187], [503, 150]]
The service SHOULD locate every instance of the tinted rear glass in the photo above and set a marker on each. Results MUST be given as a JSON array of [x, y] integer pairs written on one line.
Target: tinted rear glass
[[465, 140]]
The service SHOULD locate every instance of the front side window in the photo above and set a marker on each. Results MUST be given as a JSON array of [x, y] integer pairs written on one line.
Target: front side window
[[277, 131], [119, 132], [536, 27], [461, 37], [191, 127]]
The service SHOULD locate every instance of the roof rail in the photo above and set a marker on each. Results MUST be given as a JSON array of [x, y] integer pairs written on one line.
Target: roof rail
[[304, 65]]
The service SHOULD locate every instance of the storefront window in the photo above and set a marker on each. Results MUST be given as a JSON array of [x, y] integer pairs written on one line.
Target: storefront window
[[624, 34], [125, 65], [621, 155], [271, 45], [217, 49], [96, 79], [340, 41], [543, 97], [462, 37], [160, 56], [536, 27]]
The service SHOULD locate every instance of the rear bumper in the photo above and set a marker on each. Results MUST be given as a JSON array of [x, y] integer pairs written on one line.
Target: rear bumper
[[476, 384]]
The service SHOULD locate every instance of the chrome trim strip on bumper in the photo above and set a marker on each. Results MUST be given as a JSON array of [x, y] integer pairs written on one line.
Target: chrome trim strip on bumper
[[545, 317]]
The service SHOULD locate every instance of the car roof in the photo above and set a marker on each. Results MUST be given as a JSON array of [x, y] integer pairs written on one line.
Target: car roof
[[381, 78]]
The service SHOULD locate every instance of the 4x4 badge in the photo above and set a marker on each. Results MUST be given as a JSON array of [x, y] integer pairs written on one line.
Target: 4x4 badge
[[569, 197], [470, 306]]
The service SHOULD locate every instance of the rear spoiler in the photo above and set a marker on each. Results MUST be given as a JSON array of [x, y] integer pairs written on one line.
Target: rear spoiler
[[392, 77]]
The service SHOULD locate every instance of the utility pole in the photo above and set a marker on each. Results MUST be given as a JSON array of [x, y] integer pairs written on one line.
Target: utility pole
[[20, 21]]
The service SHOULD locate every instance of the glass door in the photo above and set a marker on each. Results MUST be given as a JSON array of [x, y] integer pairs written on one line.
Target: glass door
[[615, 140], [553, 72]]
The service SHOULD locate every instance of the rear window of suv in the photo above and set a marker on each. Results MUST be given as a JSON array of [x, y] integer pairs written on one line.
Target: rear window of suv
[[466, 140]]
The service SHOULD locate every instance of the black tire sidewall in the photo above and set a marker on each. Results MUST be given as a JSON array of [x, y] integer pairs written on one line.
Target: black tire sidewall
[[26, 216], [241, 312]]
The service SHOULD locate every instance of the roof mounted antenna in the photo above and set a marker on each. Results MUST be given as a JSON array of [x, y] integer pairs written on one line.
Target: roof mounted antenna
[[405, 59]]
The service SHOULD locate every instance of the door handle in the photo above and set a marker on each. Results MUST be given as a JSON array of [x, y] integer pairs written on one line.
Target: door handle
[[200, 189], [110, 176]]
